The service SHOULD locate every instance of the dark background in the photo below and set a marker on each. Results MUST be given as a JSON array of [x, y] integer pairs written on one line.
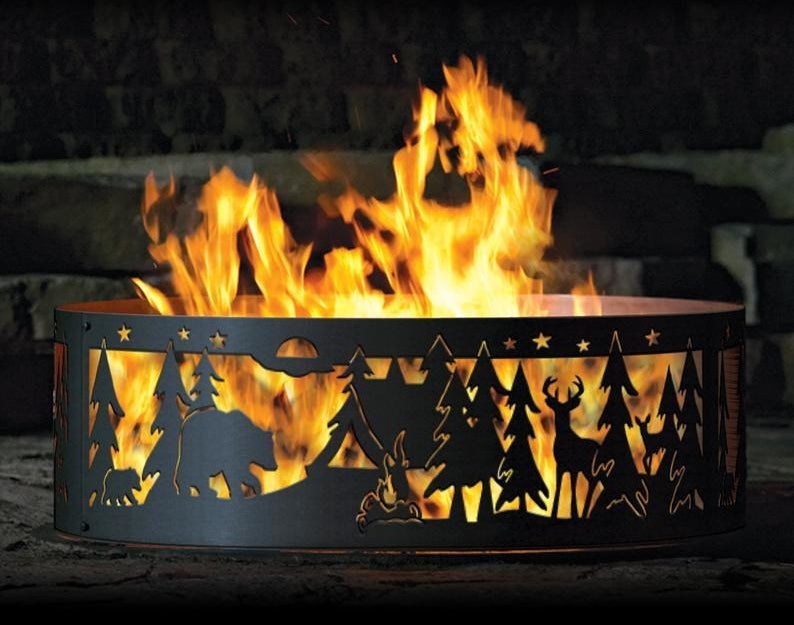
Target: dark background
[[157, 84], [140, 77]]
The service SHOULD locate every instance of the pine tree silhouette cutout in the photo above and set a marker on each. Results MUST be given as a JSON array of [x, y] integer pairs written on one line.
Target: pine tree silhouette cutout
[[670, 411], [204, 390], [459, 446], [351, 418], [170, 391], [103, 435], [438, 365], [668, 473], [518, 472], [727, 480], [740, 468], [691, 455], [484, 413], [60, 417], [383, 402], [621, 482], [483, 376], [61, 394]]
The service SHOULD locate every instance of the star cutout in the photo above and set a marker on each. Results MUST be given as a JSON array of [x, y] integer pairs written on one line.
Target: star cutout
[[124, 333], [218, 340], [510, 343], [653, 337], [183, 333], [541, 341], [583, 346]]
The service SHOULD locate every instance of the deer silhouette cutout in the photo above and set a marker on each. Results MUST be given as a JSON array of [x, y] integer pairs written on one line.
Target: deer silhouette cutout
[[653, 442], [573, 453]]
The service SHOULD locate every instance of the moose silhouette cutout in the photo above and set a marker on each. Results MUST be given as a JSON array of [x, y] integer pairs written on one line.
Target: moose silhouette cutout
[[654, 443], [213, 442], [573, 453], [117, 486]]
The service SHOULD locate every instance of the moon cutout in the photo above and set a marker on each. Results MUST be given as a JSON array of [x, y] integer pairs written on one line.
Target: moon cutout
[[297, 347]]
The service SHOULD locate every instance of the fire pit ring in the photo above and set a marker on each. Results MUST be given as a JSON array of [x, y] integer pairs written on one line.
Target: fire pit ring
[[435, 434]]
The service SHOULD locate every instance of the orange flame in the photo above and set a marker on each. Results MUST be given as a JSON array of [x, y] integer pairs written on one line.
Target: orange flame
[[473, 259], [428, 252]]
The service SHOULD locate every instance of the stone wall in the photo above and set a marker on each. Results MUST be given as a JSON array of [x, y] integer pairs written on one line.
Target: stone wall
[[751, 238], [134, 77], [643, 109]]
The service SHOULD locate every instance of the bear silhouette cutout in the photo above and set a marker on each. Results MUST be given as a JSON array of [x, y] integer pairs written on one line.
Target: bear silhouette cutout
[[118, 486], [214, 442]]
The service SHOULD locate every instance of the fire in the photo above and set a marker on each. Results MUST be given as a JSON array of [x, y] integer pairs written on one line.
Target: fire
[[431, 254], [476, 259]]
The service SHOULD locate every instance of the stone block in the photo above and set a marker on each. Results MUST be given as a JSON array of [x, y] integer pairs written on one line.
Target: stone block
[[558, 23], [719, 205], [104, 61], [36, 111], [241, 63], [623, 211], [145, 21], [81, 106], [70, 225], [770, 374], [780, 140], [234, 25], [376, 117], [186, 61], [690, 278], [122, 19], [776, 295], [26, 387], [611, 276], [8, 110], [183, 18], [14, 325], [28, 301], [770, 174], [32, 144], [73, 59], [317, 118], [773, 242], [369, 23], [24, 60], [195, 108], [730, 248], [120, 61], [242, 110], [288, 173], [371, 63]]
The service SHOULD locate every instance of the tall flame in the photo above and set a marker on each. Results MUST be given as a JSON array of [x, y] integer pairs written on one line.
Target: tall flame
[[474, 259]]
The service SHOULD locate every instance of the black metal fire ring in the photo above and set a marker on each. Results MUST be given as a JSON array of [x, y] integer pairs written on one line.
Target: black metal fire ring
[[401, 434]]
